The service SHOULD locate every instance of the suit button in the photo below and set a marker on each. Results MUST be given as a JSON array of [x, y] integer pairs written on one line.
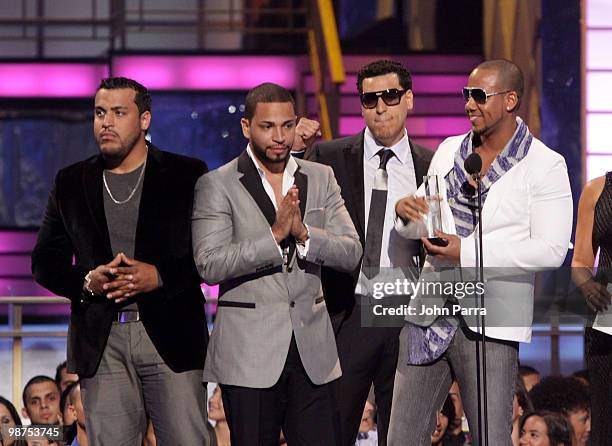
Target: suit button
[[292, 304]]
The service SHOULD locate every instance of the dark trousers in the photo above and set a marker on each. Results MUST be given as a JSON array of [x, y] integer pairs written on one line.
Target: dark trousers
[[368, 356], [599, 363], [303, 410]]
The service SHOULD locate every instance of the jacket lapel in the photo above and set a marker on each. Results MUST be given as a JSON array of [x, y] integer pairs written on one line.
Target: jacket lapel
[[301, 181], [153, 194], [92, 186], [252, 182], [421, 165], [353, 161]]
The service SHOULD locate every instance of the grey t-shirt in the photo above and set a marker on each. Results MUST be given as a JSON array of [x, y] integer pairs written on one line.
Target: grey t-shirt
[[122, 219]]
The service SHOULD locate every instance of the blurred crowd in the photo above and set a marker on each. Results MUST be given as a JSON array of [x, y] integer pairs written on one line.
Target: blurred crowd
[[547, 411]]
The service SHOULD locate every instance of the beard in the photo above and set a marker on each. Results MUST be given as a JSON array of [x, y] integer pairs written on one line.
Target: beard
[[262, 153], [118, 150]]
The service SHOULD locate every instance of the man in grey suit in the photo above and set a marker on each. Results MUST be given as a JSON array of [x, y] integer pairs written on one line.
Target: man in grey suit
[[263, 225]]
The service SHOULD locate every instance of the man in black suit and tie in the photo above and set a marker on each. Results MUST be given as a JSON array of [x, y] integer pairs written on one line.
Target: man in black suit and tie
[[374, 168], [138, 335]]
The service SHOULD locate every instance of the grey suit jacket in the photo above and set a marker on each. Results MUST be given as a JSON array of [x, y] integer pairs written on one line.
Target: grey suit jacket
[[262, 301]]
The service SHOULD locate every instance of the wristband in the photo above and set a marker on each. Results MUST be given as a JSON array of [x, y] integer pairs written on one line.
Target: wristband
[[87, 285]]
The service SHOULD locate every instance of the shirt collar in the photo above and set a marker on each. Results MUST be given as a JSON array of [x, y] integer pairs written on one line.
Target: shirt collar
[[290, 168], [371, 147]]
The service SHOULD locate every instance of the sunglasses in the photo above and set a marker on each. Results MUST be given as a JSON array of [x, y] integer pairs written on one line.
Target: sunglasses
[[390, 96], [479, 95]]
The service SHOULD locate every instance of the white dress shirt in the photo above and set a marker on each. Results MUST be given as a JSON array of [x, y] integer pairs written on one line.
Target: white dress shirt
[[288, 180], [396, 251]]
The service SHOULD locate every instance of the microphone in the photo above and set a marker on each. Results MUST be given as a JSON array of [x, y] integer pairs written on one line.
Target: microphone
[[473, 164]]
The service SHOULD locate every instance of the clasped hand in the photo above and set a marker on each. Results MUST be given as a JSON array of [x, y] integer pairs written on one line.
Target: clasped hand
[[123, 278]]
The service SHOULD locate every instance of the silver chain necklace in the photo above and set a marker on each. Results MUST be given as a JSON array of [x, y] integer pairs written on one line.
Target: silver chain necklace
[[144, 165]]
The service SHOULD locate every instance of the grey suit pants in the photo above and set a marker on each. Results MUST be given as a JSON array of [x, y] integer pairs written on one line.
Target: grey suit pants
[[133, 381], [419, 391]]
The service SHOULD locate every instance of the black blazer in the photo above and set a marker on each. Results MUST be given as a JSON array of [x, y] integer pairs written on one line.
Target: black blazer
[[345, 157], [75, 225]]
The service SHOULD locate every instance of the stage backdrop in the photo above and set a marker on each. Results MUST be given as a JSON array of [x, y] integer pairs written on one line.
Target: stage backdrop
[[39, 137]]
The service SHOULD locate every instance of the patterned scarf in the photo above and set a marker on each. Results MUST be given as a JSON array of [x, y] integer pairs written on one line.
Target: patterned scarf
[[462, 201]]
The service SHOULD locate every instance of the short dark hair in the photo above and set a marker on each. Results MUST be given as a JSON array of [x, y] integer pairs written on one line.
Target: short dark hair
[[560, 394], [58, 372], [265, 93], [66, 395], [522, 395], [142, 98], [11, 408], [448, 409], [71, 389], [382, 67], [584, 374], [37, 380], [525, 370], [509, 74], [558, 428]]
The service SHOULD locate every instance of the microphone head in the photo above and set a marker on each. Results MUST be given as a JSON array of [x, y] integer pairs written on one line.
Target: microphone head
[[473, 164]]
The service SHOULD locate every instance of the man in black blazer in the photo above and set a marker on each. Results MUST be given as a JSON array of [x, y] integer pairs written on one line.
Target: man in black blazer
[[137, 336], [368, 355]]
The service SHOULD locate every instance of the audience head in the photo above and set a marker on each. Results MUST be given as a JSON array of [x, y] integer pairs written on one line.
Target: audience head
[[582, 375], [368, 418], [529, 375], [442, 421], [41, 441], [385, 91], [149, 438], [216, 411], [521, 403], [8, 417], [63, 377], [41, 400], [68, 417], [569, 396], [545, 429], [75, 405], [455, 395], [269, 123]]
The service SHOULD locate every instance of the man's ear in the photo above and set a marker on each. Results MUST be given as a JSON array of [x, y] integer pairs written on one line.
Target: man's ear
[[24, 412], [246, 128], [409, 98], [72, 409], [145, 120], [512, 102]]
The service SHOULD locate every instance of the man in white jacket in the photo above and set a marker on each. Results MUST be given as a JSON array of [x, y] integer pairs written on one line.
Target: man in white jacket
[[526, 227]]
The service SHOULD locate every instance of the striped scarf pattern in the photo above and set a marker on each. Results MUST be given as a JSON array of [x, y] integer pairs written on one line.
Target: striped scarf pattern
[[464, 205]]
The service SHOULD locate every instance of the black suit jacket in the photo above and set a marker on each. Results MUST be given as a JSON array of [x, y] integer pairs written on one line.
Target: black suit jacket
[[345, 157], [75, 225]]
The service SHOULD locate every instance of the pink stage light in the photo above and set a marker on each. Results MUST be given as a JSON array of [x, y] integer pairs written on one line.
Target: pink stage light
[[208, 72], [50, 79], [450, 84]]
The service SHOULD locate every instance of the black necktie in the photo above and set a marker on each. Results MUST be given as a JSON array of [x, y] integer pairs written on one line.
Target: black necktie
[[299, 154], [376, 217]]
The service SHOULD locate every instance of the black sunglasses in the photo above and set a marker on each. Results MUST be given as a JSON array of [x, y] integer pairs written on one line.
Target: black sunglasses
[[479, 95], [390, 96]]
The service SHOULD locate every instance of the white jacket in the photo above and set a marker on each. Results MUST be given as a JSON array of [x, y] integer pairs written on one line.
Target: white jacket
[[527, 224]]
